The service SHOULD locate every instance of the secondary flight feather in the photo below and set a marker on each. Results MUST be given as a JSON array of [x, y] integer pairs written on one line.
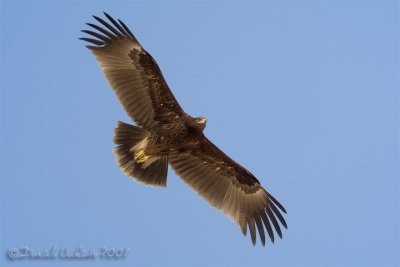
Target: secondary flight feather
[[165, 134]]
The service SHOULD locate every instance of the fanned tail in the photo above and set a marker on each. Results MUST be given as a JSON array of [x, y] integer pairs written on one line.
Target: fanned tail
[[131, 159]]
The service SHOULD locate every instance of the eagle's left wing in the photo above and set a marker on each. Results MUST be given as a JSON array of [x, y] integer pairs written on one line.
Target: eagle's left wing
[[230, 188], [132, 73]]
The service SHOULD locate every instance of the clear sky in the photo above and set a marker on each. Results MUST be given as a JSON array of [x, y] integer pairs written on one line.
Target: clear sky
[[305, 94]]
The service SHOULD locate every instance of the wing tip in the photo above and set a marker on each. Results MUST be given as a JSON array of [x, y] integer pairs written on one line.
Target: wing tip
[[274, 200], [108, 32], [93, 41], [106, 14]]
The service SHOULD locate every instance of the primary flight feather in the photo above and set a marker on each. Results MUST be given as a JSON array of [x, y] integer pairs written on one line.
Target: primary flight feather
[[165, 134]]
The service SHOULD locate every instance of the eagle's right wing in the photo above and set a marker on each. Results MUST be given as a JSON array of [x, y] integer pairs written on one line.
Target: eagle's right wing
[[230, 188], [132, 73]]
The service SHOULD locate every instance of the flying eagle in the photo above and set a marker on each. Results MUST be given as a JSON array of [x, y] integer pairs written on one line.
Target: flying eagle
[[165, 134]]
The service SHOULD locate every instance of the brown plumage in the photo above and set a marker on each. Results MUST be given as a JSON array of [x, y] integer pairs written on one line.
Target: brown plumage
[[167, 135]]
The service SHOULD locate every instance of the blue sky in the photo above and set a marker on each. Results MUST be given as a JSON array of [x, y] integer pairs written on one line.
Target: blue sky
[[305, 94]]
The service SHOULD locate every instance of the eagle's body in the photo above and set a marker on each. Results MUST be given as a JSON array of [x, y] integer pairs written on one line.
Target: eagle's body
[[181, 134], [166, 135]]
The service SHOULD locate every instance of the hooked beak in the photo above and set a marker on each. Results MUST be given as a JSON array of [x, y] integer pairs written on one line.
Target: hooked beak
[[202, 121]]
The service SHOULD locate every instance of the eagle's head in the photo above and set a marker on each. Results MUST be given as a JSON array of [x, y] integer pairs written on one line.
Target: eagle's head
[[199, 124]]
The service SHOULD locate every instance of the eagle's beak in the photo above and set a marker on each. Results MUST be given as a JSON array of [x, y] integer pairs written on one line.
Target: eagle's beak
[[202, 121]]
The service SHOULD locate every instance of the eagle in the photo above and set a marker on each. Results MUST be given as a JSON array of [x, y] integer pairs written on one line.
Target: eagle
[[166, 135]]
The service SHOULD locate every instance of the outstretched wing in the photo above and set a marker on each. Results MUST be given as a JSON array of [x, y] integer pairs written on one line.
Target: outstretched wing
[[132, 73], [230, 188]]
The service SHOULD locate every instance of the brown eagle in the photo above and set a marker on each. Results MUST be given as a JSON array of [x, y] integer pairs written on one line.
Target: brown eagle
[[167, 135]]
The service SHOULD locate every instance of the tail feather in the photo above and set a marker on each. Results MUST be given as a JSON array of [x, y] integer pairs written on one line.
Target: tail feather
[[151, 172], [128, 134]]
